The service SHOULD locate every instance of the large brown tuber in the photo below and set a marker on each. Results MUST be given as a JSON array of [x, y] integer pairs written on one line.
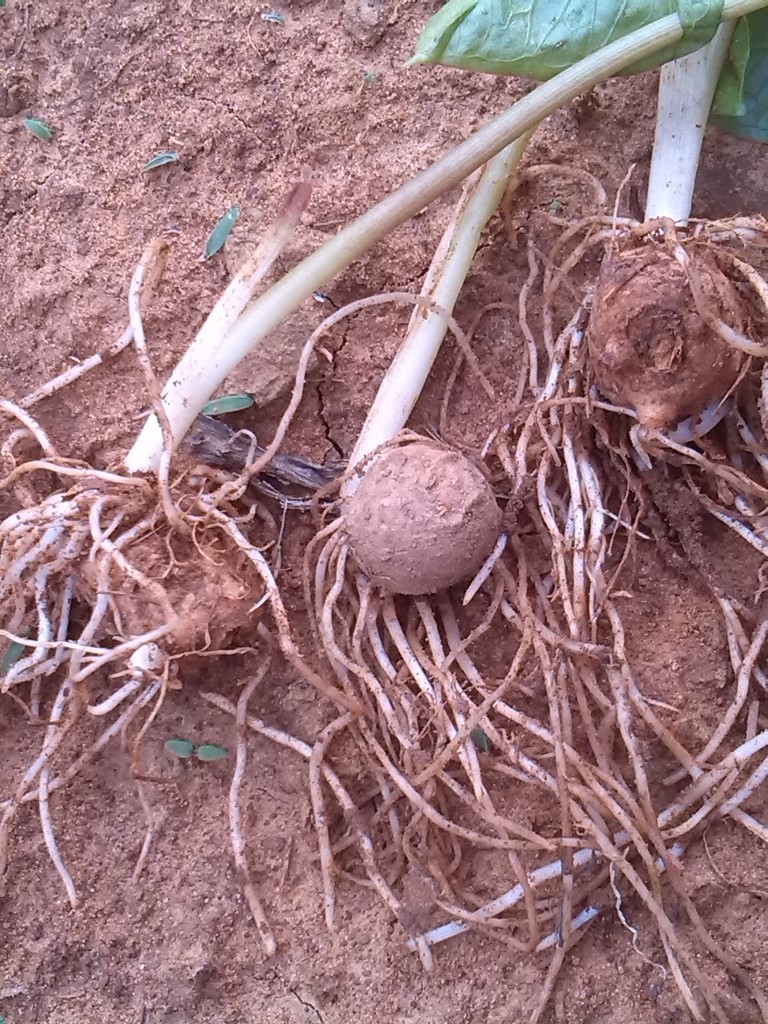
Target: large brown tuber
[[649, 346], [422, 519]]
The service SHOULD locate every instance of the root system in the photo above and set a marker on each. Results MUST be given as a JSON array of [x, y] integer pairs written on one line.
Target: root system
[[481, 679]]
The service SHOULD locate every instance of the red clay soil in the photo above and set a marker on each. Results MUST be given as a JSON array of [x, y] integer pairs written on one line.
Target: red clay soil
[[247, 102]]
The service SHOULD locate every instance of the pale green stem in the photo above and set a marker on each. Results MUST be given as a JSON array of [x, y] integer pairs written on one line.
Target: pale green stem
[[686, 90], [202, 370], [240, 290], [405, 378]]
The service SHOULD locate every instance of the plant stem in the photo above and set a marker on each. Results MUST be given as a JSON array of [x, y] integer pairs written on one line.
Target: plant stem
[[686, 89], [202, 369], [405, 378], [240, 290]]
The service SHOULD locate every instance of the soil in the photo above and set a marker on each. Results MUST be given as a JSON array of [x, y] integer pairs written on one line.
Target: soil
[[248, 102]]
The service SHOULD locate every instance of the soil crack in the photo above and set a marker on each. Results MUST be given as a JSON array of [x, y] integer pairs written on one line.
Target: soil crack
[[308, 1005], [228, 108], [323, 403], [412, 285]]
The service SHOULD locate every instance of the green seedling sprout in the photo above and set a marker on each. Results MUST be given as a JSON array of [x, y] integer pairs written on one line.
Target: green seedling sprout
[[205, 752], [12, 656], [481, 740], [38, 128], [210, 752], [161, 160], [180, 748], [229, 403], [221, 232]]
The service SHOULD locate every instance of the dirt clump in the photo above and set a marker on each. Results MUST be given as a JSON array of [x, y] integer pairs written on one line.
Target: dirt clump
[[423, 519], [201, 590]]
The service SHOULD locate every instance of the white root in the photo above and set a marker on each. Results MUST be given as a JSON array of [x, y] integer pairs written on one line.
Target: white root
[[146, 662], [51, 742], [266, 935], [485, 570]]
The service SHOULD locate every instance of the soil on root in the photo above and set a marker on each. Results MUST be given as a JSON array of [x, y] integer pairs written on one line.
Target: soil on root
[[246, 102]]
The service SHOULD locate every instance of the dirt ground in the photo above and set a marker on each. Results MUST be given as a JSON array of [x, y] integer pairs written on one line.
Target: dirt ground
[[248, 102]]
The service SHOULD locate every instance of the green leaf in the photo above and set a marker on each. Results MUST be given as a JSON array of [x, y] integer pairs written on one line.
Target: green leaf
[[38, 128], [481, 740], [221, 232], [160, 161], [729, 95], [749, 117], [12, 655], [229, 403], [181, 748], [539, 38], [210, 752]]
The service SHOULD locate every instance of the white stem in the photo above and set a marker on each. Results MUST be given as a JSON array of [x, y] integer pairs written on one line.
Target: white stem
[[241, 288], [239, 292], [686, 89], [202, 369], [405, 378]]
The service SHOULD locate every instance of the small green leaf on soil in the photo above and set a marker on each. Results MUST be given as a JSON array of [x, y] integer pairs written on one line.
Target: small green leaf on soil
[[369, 77], [480, 740], [210, 752], [274, 16], [12, 655], [181, 748], [38, 128], [161, 160], [555, 206], [229, 403], [221, 232]]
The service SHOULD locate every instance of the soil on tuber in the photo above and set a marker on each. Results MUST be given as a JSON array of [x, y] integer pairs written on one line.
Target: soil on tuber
[[651, 348], [423, 519]]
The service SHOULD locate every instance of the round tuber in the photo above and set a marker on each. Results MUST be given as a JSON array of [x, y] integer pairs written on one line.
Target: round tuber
[[422, 519], [649, 346]]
